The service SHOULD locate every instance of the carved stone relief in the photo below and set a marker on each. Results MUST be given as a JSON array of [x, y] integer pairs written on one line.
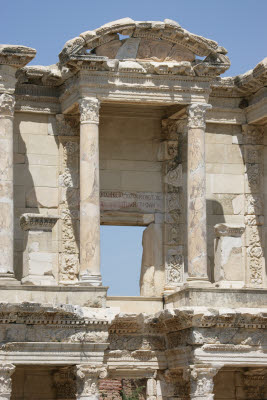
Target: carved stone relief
[[69, 207], [254, 204]]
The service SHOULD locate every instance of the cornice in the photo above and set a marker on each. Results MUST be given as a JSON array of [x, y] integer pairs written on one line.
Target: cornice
[[16, 56]]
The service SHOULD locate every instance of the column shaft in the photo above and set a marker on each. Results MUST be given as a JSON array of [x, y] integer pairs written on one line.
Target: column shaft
[[89, 193], [196, 194], [7, 103]]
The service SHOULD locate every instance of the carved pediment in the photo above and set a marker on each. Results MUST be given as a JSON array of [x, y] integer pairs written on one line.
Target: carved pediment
[[165, 43]]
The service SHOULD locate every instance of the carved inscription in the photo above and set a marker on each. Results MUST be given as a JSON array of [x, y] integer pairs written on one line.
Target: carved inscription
[[144, 201]]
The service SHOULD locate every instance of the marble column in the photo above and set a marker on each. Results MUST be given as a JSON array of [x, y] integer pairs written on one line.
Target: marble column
[[89, 193], [6, 371], [7, 104], [196, 195], [87, 381]]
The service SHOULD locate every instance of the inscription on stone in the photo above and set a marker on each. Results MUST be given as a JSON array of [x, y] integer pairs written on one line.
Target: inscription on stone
[[143, 201]]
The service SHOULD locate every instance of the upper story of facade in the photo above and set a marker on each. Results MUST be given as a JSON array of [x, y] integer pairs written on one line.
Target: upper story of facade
[[133, 126]]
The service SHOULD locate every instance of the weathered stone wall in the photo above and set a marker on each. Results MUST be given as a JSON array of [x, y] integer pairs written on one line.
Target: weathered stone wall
[[36, 162]]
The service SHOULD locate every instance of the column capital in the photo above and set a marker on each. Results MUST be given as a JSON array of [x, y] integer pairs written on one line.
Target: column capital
[[196, 115], [87, 380], [6, 371], [89, 110], [201, 381], [7, 105]]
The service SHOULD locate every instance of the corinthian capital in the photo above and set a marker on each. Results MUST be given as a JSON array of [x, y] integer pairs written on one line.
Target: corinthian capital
[[87, 380], [6, 370], [89, 110], [196, 115], [7, 104]]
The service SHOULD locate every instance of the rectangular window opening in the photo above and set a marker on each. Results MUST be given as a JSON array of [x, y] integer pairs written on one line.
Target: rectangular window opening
[[121, 258]]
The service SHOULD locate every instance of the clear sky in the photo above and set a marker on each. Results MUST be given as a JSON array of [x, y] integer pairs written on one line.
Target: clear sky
[[238, 25]]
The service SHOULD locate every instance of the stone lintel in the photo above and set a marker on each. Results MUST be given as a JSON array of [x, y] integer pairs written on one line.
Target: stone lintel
[[30, 221]]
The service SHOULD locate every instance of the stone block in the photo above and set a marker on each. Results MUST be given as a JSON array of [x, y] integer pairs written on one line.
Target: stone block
[[110, 180], [42, 159], [42, 197], [141, 181], [218, 138], [31, 123], [227, 183], [43, 175]]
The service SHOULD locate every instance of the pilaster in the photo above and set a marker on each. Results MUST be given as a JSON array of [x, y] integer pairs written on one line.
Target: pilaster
[[253, 151]]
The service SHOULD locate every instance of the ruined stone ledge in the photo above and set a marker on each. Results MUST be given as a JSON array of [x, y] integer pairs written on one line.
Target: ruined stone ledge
[[85, 296], [218, 297]]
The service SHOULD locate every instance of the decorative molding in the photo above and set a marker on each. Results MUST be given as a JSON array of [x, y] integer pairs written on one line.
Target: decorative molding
[[89, 109], [196, 115], [229, 230], [30, 221]]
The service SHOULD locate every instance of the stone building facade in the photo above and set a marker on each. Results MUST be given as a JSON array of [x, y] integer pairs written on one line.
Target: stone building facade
[[133, 126]]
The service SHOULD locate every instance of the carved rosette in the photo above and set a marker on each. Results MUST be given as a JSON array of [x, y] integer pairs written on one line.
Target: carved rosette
[[89, 110], [6, 371], [87, 380], [7, 105], [196, 115]]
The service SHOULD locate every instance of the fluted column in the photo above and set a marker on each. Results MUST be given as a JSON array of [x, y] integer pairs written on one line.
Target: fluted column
[[89, 192], [7, 104], [196, 194], [6, 371], [87, 381]]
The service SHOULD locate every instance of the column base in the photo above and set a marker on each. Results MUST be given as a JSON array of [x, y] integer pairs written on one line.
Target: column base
[[90, 280], [8, 279]]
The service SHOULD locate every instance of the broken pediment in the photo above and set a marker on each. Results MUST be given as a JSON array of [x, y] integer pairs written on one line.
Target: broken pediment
[[146, 42]]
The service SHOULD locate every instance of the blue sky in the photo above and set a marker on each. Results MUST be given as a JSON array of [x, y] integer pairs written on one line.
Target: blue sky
[[238, 25]]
